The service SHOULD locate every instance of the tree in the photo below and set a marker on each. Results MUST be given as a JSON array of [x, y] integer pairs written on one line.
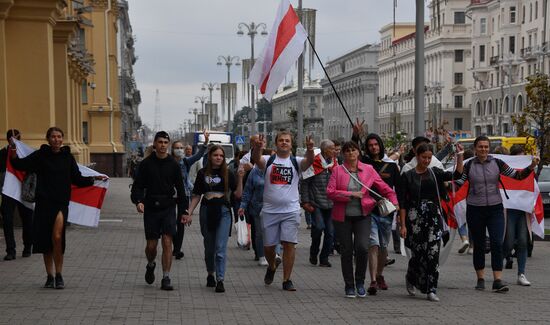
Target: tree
[[536, 114]]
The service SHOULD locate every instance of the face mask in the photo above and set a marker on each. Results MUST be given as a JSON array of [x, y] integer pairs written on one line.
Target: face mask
[[178, 153]]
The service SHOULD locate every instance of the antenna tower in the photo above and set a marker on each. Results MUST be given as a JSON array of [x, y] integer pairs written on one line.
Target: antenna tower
[[157, 112]]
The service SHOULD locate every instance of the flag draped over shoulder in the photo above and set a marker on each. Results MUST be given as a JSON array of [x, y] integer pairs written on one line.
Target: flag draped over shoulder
[[86, 202], [283, 47], [318, 166], [523, 195]]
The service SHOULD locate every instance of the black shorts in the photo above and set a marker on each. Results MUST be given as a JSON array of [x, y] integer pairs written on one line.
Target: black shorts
[[159, 222]]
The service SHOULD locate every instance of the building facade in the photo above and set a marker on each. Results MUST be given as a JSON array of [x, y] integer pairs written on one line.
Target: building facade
[[508, 45], [284, 109], [58, 67], [355, 77], [448, 82]]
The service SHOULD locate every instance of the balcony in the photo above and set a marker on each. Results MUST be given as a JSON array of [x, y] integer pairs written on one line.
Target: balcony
[[493, 61], [528, 53]]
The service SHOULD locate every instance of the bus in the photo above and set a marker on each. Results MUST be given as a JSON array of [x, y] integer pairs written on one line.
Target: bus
[[507, 142], [224, 139]]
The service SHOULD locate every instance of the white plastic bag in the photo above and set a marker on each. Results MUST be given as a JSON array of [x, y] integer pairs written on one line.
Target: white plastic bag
[[242, 232]]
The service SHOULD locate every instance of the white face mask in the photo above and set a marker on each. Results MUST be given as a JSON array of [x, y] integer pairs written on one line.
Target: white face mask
[[178, 152]]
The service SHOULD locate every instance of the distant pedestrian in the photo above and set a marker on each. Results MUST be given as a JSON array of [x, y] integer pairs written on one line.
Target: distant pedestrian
[[153, 194], [281, 207], [351, 214], [56, 171], [421, 217], [216, 187], [185, 163], [7, 209]]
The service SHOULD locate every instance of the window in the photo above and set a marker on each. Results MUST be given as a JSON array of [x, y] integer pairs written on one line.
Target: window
[[507, 104], [530, 12], [460, 17], [536, 9], [458, 124], [85, 132], [489, 130], [478, 109], [512, 15], [478, 131], [84, 92], [512, 44], [505, 128], [483, 26], [482, 53], [523, 15], [489, 107], [459, 55], [458, 101], [458, 78], [520, 103]]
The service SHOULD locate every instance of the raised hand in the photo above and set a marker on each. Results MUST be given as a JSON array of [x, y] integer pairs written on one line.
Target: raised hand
[[259, 144], [206, 136], [309, 142], [358, 127]]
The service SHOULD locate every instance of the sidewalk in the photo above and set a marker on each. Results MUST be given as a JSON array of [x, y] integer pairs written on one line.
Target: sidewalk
[[104, 276]]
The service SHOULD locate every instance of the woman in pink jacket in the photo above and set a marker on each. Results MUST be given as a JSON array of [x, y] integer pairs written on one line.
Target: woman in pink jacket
[[352, 206]]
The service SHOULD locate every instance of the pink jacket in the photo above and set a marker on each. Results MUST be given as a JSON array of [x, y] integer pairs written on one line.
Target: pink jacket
[[337, 189]]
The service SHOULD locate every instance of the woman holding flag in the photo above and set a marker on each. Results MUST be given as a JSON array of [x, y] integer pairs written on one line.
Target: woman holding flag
[[419, 193], [484, 207], [56, 171]]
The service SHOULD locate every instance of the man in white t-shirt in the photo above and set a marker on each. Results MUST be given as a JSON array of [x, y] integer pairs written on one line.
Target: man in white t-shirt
[[281, 206]]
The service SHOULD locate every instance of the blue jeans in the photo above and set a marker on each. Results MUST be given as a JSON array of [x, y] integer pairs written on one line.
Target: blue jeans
[[463, 230], [516, 229], [215, 242], [307, 215], [321, 223], [259, 235], [491, 218]]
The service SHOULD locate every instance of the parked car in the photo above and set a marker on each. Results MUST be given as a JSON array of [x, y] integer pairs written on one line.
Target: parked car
[[544, 186]]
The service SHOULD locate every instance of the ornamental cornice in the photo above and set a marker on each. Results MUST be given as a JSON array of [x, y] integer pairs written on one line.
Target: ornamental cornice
[[5, 6], [81, 58], [38, 10]]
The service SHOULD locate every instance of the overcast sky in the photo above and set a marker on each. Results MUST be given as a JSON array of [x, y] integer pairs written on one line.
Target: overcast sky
[[179, 41]]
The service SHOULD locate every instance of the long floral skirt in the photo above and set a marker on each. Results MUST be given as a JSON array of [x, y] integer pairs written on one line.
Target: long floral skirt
[[424, 241]]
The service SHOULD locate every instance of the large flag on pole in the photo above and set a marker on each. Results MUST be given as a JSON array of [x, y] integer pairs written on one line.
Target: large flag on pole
[[86, 202], [524, 195], [284, 46]]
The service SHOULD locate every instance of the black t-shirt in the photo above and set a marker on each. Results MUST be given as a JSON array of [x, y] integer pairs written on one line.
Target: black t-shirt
[[213, 183]]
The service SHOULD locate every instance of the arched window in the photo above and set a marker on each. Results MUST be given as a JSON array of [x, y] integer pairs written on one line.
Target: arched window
[[507, 104], [490, 107], [520, 103], [478, 109], [536, 9]]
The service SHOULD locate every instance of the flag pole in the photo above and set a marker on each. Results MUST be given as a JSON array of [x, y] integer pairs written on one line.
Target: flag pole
[[330, 81]]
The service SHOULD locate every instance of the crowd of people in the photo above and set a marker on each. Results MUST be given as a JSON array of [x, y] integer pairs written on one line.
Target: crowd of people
[[341, 188]]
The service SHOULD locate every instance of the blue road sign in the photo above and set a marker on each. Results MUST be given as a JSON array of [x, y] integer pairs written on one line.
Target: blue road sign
[[239, 139]]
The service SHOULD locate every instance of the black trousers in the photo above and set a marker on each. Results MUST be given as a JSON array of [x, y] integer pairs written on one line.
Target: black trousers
[[7, 209], [353, 235], [180, 232]]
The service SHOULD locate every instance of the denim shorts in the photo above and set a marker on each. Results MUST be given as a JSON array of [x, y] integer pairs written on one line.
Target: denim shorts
[[280, 227], [380, 230]]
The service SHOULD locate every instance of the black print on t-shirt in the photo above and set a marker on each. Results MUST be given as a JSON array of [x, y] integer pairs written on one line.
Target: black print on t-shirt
[[281, 175]]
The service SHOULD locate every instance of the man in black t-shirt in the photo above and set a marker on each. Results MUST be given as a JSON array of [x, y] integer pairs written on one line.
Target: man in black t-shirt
[[153, 193]]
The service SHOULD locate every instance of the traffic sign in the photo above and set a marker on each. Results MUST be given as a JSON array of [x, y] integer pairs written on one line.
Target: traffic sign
[[239, 139]]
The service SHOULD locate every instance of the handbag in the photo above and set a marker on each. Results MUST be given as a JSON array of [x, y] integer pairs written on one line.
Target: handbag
[[242, 232], [28, 188], [385, 207], [444, 227]]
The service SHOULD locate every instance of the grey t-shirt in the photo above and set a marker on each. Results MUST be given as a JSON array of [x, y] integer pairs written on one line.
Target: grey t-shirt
[[353, 208]]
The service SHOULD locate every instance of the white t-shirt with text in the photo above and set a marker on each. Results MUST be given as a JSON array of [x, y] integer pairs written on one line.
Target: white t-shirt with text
[[281, 186]]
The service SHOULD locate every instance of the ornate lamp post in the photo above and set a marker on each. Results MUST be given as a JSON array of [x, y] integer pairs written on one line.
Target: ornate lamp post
[[211, 86], [194, 111], [201, 99], [229, 61], [252, 30]]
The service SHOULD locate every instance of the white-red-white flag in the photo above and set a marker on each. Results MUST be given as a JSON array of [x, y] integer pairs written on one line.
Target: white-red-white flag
[[284, 46], [524, 195], [85, 204]]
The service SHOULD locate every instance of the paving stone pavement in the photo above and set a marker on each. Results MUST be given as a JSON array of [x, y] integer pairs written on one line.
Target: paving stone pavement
[[104, 274]]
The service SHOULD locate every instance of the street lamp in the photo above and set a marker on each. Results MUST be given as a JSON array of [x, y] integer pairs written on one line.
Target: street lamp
[[229, 61], [211, 86], [201, 99], [194, 111], [252, 29]]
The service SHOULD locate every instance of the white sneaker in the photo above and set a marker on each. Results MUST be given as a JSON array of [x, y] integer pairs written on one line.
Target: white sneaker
[[432, 297], [262, 261], [522, 280], [465, 245], [470, 251]]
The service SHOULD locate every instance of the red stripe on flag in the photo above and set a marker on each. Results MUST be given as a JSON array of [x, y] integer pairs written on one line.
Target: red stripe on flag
[[526, 184], [9, 167], [92, 196], [539, 209], [285, 32]]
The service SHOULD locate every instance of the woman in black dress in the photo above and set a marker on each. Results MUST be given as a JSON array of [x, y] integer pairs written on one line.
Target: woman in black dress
[[56, 171], [419, 193]]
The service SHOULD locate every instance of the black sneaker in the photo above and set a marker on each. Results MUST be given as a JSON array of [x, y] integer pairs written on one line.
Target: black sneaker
[[26, 253], [269, 275], [59, 283], [220, 287], [210, 281], [499, 286], [178, 255], [509, 264], [390, 261], [288, 286], [313, 260], [150, 273], [9, 257], [480, 284], [165, 284], [325, 264], [49, 282]]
